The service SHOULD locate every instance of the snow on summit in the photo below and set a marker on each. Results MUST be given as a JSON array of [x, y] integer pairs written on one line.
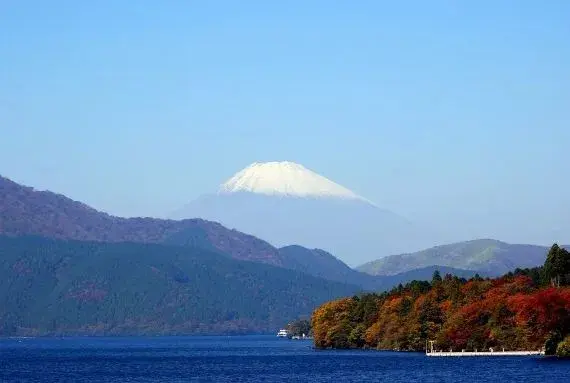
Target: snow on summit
[[286, 179]]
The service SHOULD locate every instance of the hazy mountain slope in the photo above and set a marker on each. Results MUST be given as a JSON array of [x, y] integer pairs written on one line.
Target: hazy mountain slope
[[286, 203], [25, 211], [322, 264], [315, 261], [70, 287], [319, 263], [485, 255], [352, 230]]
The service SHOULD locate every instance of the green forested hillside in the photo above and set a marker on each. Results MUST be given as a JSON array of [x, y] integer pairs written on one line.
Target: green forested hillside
[[322, 264], [26, 211], [486, 256], [68, 287]]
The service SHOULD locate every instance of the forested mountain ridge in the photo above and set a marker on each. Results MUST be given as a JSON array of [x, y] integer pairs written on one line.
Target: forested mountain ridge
[[67, 287], [26, 211], [487, 256], [320, 263], [524, 310]]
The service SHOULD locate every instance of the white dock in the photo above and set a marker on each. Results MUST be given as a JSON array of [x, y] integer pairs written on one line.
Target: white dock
[[491, 352], [484, 353]]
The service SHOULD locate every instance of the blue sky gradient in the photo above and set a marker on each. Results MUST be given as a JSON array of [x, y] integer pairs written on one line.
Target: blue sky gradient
[[454, 114]]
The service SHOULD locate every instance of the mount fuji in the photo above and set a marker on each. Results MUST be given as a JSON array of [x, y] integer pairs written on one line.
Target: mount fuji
[[285, 203]]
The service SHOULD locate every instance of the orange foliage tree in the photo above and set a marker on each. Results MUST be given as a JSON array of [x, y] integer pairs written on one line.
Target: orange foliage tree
[[514, 312]]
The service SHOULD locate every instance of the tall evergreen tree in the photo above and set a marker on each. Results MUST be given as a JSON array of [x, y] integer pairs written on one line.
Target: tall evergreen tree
[[436, 279], [564, 266], [556, 268]]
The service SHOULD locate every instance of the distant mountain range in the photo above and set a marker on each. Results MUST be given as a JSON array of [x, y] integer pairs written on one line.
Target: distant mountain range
[[322, 264], [285, 203], [25, 211], [68, 268], [486, 256]]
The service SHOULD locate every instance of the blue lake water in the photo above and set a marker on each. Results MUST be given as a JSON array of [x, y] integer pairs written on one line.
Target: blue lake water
[[249, 359]]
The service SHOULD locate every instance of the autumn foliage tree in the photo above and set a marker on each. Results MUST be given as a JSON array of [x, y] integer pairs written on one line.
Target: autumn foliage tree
[[525, 309]]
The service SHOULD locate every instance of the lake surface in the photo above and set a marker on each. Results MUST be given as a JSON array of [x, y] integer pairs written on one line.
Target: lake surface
[[249, 359]]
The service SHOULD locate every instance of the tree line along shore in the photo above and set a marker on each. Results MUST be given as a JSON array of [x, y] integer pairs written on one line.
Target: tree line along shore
[[527, 309]]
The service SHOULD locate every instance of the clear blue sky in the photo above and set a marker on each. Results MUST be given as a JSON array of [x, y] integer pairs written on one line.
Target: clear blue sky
[[452, 113]]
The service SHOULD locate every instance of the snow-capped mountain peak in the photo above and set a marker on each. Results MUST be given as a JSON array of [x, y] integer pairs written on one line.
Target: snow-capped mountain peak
[[286, 179]]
